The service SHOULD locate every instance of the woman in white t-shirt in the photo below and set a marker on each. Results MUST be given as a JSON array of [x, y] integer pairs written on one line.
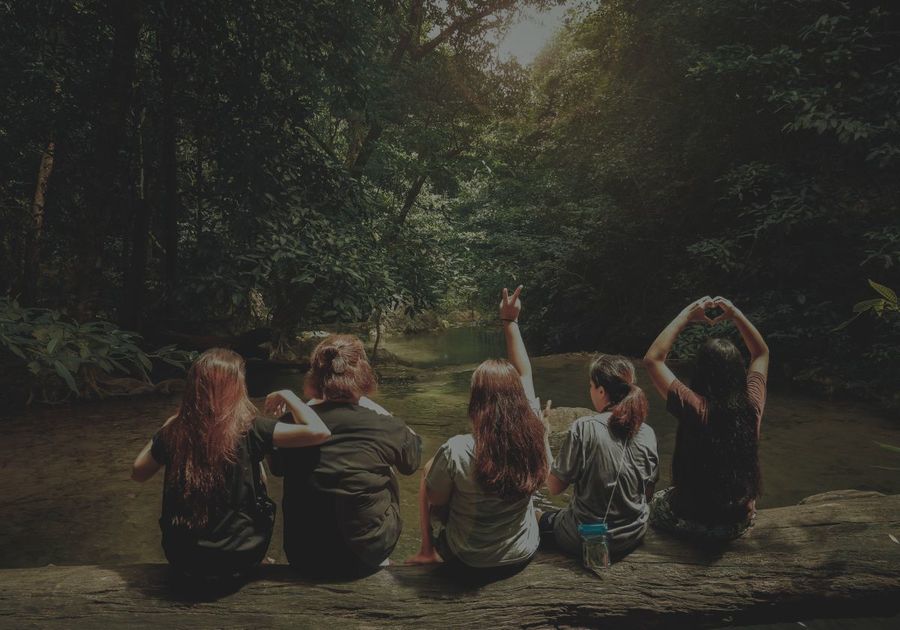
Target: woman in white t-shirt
[[485, 479]]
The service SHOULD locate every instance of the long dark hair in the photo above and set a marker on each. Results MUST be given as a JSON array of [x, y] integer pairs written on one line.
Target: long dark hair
[[627, 401], [723, 462], [510, 456], [202, 439]]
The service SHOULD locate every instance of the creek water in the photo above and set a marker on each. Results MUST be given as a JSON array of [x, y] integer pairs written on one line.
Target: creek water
[[66, 496]]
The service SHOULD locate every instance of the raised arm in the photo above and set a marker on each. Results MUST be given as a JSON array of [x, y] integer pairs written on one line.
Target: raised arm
[[510, 307], [655, 359], [759, 351], [308, 430]]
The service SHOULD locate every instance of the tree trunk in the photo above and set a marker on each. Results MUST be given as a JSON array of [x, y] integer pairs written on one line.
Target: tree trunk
[[408, 202], [109, 192], [287, 311], [359, 157], [832, 556], [378, 313], [132, 307], [31, 272], [168, 159]]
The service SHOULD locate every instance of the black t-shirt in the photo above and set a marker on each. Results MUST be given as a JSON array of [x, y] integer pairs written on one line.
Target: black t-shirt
[[230, 526], [341, 499]]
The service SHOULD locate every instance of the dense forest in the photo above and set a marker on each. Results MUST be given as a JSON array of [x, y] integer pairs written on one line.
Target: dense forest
[[222, 167]]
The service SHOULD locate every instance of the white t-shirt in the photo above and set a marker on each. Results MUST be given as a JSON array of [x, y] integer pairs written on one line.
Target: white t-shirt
[[482, 530]]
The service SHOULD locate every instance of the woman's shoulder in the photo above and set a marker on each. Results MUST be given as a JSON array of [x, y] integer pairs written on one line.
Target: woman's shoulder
[[599, 419], [460, 444], [646, 436]]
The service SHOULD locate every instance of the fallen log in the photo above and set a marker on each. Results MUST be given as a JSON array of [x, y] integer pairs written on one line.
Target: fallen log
[[831, 556]]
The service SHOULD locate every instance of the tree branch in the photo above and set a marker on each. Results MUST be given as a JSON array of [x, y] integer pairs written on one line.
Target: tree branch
[[459, 25]]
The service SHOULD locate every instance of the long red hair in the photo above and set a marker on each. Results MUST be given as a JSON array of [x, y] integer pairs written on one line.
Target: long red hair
[[510, 454], [202, 439]]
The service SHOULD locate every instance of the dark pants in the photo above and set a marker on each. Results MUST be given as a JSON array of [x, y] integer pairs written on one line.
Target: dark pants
[[460, 570]]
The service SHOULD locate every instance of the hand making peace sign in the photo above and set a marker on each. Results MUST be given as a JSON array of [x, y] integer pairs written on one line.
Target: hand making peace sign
[[510, 305]]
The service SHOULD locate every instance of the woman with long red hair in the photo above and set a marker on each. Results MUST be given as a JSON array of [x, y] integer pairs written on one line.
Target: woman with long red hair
[[216, 518], [485, 479]]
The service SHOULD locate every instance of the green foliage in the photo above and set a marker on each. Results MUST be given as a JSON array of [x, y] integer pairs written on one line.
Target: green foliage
[[886, 303], [316, 146], [671, 149], [67, 359], [336, 159]]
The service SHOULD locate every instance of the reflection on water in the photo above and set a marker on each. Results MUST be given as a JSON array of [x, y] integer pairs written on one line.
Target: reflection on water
[[67, 499], [454, 346]]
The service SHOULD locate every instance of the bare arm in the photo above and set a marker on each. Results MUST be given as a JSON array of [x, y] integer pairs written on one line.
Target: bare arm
[[510, 307], [427, 553], [556, 485], [308, 430], [655, 359], [759, 351], [144, 465]]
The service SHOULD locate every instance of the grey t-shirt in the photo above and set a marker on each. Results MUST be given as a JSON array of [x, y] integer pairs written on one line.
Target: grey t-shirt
[[482, 530], [588, 458]]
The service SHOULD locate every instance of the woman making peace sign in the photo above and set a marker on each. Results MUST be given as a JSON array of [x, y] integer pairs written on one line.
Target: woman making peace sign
[[486, 478]]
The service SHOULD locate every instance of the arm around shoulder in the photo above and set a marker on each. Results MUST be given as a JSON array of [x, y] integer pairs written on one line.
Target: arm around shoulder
[[309, 429]]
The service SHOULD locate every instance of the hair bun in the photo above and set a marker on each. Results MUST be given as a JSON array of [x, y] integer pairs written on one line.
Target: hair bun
[[338, 365]]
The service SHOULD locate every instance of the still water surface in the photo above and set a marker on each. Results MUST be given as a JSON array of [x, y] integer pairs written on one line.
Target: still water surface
[[66, 496]]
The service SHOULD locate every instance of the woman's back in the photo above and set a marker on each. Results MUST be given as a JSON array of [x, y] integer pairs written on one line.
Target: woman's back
[[589, 458], [234, 534], [482, 529], [715, 459], [343, 496]]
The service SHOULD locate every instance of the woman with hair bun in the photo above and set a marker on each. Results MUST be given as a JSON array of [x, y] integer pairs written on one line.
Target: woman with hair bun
[[341, 500], [611, 459]]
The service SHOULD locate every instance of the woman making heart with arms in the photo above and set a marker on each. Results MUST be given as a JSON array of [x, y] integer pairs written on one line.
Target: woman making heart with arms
[[715, 468]]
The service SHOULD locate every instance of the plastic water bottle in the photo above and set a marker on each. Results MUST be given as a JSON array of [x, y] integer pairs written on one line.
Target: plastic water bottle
[[594, 546]]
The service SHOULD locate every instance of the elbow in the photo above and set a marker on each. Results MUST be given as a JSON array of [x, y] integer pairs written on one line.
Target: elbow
[[138, 475], [554, 485], [322, 436], [651, 359]]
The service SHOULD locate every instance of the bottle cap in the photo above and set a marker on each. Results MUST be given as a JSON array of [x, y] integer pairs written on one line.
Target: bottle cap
[[592, 529]]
